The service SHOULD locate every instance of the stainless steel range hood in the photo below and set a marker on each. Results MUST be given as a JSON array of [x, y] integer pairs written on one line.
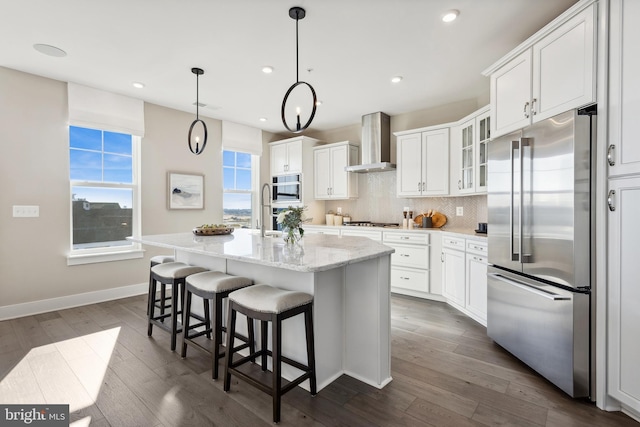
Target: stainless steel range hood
[[375, 148]]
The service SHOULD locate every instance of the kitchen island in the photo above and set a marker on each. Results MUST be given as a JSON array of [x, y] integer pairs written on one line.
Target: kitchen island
[[348, 277]]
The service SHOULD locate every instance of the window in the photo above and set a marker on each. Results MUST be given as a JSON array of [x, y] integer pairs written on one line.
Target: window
[[104, 190], [239, 175]]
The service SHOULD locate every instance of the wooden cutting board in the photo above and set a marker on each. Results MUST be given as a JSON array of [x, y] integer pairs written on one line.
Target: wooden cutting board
[[437, 220]]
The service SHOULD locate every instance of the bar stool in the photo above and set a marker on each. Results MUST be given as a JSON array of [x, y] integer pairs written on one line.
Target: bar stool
[[269, 304], [214, 286], [162, 302], [174, 274]]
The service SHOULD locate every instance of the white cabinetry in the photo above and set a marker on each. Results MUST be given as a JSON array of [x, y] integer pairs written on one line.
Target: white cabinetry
[[423, 162], [410, 262], [464, 275], [287, 155], [469, 164], [623, 269], [371, 234], [331, 180], [453, 270], [476, 280], [551, 72]]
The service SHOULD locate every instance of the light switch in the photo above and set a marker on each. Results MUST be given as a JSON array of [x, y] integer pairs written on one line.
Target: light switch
[[459, 211], [26, 211]]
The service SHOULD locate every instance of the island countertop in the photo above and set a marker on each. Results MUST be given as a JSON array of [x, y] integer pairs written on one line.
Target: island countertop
[[316, 252]]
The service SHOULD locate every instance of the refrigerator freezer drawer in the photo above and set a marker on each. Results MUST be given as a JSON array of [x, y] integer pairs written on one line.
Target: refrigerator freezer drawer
[[544, 326]]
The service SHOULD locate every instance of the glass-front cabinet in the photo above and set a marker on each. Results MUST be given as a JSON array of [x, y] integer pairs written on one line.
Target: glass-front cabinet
[[483, 126], [465, 184]]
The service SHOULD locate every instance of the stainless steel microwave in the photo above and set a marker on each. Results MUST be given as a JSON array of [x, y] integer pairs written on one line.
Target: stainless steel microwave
[[286, 189]]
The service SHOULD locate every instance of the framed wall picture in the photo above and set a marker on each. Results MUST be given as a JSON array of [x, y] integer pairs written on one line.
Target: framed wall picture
[[185, 190]]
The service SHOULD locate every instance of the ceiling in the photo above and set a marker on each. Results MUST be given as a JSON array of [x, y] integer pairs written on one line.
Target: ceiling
[[352, 47]]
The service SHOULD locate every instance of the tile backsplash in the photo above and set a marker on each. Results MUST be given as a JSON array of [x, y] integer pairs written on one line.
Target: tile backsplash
[[378, 202]]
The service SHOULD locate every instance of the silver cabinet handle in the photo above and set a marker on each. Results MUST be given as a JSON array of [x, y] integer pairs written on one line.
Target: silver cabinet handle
[[419, 187], [459, 184], [533, 108], [611, 151], [404, 255], [526, 114], [441, 256], [610, 201], [404, 278], [404, 237], [423, 186]]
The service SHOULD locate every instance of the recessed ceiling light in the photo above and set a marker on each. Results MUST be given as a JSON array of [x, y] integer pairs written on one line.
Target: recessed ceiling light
[[396, 79], [267, 69], [263, 119], [450, 15], [137, 85], [49, 50]]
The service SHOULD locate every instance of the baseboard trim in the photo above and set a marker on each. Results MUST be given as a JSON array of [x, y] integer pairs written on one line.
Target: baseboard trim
[[43, 306]]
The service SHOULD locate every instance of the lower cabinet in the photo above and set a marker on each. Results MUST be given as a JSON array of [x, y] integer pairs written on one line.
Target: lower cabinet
[[410, 261], [464, 275]]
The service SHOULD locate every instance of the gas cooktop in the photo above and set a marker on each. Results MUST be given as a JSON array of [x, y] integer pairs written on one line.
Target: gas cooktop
[[371, 224]]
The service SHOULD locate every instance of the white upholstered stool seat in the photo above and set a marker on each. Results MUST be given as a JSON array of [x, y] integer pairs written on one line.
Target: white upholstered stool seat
[[161, 259], [267, 299], [175, 270], [212, 286]]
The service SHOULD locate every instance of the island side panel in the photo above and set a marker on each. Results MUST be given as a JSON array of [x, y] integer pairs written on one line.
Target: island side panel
[[368, 321]]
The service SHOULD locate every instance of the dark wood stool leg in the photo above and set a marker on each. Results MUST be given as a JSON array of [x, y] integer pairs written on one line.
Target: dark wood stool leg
[[228, 359], [311, 355], [151, 306], [207, 317], [276, 351], [251, 337], [175, 293], [263, 341], [163, 297], [185, 326], [216, 316]]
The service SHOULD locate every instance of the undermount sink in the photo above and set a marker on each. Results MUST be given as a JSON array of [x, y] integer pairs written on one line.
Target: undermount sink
[[268, 233]]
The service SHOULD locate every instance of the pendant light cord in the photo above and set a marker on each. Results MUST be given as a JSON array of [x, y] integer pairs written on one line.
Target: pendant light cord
[[297, 66], [197, 96]]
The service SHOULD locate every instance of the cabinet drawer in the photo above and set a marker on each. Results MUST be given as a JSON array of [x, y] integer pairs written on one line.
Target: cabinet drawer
[[453, 242], [413, 238], [408, 278], [477, 247], [330, 231], [410, 256], [373, 235]]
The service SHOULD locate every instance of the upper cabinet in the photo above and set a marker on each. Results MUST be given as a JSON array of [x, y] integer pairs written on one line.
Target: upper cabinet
[[331, 180], [623, 151], [287, 155], [551, 72], [423, 162], [469, 153]]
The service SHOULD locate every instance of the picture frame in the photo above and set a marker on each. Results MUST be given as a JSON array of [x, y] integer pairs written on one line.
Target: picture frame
[[185, 190]]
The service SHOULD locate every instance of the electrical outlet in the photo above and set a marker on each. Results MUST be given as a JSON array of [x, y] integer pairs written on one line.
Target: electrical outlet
[[26, 211], [459, 211]]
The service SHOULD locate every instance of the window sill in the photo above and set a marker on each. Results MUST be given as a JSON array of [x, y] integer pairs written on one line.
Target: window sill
[[104, 257]]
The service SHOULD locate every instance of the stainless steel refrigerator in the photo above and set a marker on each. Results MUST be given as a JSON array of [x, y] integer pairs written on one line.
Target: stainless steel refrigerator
[[540, 247]]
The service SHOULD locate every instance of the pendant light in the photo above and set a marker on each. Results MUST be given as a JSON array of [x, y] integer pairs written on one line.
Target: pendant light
[[298, 13], [198, 72]]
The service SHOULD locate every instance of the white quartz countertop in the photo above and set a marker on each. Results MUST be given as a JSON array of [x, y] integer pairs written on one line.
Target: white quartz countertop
[[466, 232], [316, 252]]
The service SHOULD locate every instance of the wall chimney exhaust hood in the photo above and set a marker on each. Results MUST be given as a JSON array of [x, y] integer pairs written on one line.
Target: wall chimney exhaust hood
[[375, 147]]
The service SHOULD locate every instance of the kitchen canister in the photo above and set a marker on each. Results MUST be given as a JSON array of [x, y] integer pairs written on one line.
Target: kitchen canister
[[329, 219], [337, 220]]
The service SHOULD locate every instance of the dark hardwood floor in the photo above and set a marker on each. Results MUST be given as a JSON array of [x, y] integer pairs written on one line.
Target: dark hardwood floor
[[446, 372]]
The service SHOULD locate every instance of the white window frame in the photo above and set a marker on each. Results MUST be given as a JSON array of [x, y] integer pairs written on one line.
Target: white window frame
[[255, 184], [115, 253]]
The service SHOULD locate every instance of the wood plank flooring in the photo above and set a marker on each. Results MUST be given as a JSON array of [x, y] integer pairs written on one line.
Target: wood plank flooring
[[446, 372]]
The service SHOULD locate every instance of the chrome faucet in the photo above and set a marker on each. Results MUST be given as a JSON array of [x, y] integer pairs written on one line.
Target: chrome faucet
[[263, 205]]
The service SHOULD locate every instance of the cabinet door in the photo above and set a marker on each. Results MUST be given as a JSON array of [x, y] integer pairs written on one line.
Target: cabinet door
[[435, 149], [339, 178], [294, 156], [410, 278], [624, 88], [476, 286], [624, 292], [483, 134], [511, 95], [322, 173], [278, 159], [453, 276], [467, 154], [563, 67], [409, 171]]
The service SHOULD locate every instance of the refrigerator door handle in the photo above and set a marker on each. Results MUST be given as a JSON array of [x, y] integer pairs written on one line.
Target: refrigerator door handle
[[515, 145], [528, 288], [524, 142]]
